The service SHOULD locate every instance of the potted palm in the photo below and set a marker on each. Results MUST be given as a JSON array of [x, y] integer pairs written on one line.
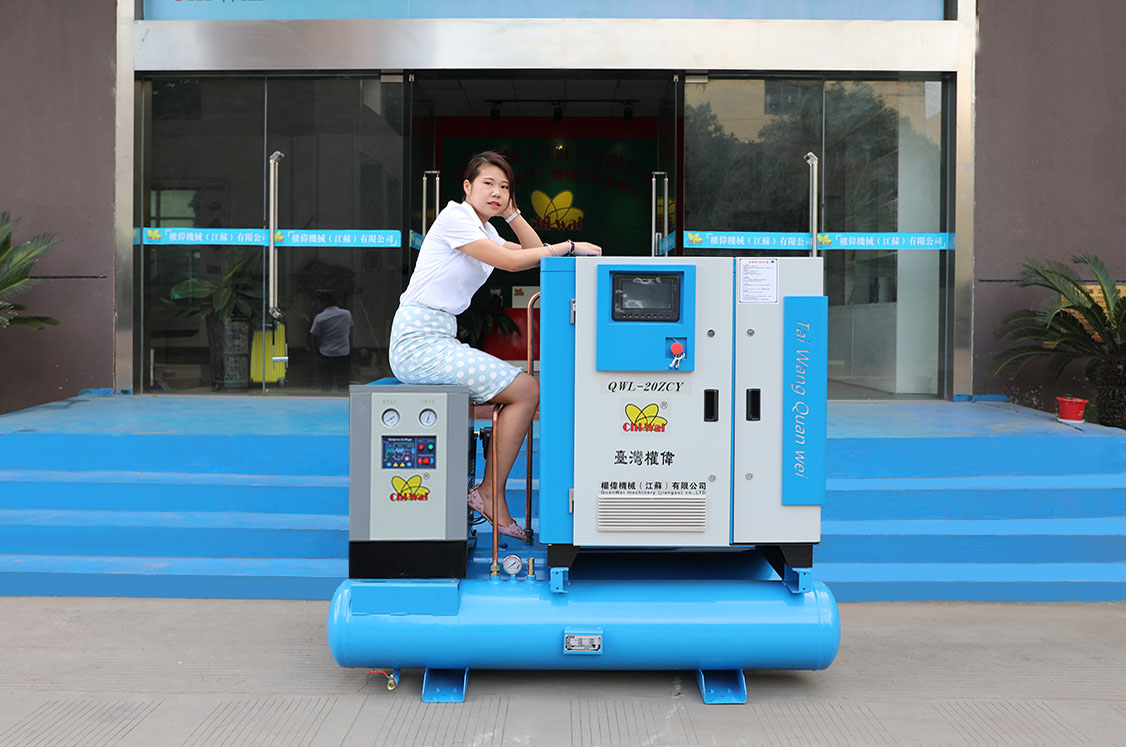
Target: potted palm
[[227, 305], [1079, 322], [15, 265]]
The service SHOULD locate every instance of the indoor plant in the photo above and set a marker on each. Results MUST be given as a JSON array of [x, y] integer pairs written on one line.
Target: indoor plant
[[15, 264], [1078, 322], [227, 306]]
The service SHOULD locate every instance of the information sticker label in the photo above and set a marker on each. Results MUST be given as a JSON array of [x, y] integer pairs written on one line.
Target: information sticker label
[[758, 280], [574, 643]]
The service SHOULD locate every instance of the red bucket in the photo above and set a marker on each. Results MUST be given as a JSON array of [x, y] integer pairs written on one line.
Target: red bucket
[[1071, 409]]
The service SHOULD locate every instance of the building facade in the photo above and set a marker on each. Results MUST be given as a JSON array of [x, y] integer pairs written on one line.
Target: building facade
[[912, 138]]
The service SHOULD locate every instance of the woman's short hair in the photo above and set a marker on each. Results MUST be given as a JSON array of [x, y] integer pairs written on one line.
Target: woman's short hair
[[489, 158]]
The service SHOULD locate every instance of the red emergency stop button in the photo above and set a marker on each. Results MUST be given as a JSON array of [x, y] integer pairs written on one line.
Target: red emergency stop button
[[677, 349]]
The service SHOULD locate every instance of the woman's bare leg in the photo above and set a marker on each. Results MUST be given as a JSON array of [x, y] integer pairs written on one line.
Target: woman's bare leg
[[520, 400]]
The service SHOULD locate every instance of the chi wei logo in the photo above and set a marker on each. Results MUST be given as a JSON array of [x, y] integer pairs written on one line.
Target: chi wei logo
[[557, 212], [645, 420], [409, 490]]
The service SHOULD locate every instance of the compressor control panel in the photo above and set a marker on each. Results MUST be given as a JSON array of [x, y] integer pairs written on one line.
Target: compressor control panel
[[410, 452]]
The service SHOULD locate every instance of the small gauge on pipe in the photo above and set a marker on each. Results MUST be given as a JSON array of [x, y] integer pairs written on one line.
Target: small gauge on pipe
[[390, 417], [428, 417], [512, 565]]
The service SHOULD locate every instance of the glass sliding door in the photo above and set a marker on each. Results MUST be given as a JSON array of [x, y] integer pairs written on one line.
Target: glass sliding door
[[205, 288], [202, 174], [744, 147], [338, 244], [881, 151], [883, 174]]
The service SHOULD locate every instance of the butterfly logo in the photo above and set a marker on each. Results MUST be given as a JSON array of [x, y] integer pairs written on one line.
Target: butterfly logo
[[152, 234], [409, 490], [694, 237], [558, 211], [646, 419]]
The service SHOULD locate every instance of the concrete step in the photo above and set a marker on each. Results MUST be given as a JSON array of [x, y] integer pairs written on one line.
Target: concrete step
[[171, 577]]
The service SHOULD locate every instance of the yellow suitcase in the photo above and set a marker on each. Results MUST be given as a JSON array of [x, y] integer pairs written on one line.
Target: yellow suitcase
[[275, 346]]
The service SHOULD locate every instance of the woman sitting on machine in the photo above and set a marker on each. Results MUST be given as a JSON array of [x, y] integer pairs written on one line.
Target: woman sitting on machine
[[457, 256]]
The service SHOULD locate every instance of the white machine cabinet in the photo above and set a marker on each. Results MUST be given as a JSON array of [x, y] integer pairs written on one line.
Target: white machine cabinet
[[699, 401]]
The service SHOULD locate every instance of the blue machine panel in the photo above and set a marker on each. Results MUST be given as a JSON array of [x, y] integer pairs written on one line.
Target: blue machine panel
[[804, 399], [557, 399], [642, 314]]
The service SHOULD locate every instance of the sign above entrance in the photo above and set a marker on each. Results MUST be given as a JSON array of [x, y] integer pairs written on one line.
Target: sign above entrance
[[772, 240], [253, 10], [260, 237]]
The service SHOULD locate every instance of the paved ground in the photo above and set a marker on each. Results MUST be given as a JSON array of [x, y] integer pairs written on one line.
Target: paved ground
[[87, 671]]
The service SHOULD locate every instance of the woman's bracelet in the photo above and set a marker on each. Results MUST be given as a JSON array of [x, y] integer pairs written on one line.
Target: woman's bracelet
[[571, 251], [512, 217]]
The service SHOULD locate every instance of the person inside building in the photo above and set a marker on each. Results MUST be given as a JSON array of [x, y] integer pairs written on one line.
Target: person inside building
[[460, 251], [331, 338]]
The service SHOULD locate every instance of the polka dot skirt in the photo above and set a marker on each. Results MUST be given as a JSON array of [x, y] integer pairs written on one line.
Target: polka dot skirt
[[425, 350]]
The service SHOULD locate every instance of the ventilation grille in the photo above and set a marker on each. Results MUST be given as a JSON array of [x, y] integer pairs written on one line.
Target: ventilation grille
[[652, 513]]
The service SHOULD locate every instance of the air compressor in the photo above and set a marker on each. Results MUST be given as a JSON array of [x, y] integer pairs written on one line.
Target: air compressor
[[681, 471]]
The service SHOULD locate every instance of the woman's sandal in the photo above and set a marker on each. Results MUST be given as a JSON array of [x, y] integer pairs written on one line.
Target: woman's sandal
[[477, 503]]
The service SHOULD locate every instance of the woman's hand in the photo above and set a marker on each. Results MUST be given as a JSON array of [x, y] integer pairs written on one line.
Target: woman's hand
[[509, 211], [587, 249]]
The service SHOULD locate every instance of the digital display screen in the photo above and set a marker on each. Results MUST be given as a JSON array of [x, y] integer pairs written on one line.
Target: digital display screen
[[646, 297], [410, 452]]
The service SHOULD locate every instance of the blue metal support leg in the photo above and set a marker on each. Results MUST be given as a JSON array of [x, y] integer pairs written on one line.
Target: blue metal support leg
[[559, 579], [444, 685], [798, 580], [720, 686]]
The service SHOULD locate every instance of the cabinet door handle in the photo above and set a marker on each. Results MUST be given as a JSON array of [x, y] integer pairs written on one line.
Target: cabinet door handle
[[754, 404], [711, 405]]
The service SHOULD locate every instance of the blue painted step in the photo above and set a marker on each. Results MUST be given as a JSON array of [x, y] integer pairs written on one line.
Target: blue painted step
[[174, 534], [174, 491], [171, 452], [170, 577], [983, 497], [995, 582], [1039, 541], [1064, 453]]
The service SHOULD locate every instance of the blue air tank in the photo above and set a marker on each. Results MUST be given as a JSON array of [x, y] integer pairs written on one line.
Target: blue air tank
[[519, 624]]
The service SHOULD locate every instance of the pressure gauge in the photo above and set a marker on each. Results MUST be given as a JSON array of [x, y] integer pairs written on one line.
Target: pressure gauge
[[428, 417], [512, 564], [390, 418]]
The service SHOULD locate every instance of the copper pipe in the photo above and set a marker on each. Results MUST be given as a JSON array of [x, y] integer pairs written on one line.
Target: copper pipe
[[531, 428], [494, 569]]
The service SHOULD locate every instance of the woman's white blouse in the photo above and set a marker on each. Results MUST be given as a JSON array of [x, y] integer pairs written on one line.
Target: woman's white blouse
[[446, 278]]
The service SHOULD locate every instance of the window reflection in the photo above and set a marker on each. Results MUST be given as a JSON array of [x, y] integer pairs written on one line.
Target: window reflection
[[743, 147], [881, 149]]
